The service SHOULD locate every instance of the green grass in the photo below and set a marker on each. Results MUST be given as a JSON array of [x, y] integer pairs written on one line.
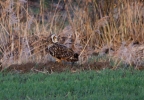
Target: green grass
[[88, 85]]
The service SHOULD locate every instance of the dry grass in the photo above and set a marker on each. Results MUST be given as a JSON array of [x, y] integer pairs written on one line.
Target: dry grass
[[85, 25]]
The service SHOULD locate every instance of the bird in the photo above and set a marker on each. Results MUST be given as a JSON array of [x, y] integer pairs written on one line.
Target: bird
[[61, 52]]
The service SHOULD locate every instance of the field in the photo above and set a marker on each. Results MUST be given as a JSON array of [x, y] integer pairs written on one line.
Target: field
[[108, 35], [84, 85]]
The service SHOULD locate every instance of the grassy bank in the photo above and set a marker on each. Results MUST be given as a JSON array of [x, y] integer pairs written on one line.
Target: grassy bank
[[87, 85]]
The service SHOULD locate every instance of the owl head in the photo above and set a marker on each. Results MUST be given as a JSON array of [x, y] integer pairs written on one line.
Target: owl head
[[54, 38]]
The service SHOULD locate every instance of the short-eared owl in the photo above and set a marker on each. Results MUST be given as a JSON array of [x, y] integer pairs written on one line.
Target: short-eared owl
[[61, 52]]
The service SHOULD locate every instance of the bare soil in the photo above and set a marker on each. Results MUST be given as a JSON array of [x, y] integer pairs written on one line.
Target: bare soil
[[51, 67]]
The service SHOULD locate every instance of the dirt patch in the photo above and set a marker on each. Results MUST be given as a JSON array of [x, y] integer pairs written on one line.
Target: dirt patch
[[51, 67]]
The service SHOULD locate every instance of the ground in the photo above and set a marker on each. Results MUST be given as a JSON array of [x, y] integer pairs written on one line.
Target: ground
[[50, 67]]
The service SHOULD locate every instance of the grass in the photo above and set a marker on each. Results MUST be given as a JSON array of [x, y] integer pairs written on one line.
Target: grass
[[88, 85], [93, 25], [90, 25]]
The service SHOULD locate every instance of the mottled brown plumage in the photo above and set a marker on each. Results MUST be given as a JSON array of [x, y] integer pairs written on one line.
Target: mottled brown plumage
[[61, 52]]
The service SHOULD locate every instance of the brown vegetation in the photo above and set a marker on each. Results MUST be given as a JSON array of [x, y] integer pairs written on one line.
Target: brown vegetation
[[87, 26], [51, 67]]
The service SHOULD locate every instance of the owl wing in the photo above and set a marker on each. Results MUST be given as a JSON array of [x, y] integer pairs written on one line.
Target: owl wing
[[74, 58], [60, 51]]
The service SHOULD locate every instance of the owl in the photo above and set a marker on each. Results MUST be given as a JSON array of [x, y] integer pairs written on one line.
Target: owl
[[60, 52]]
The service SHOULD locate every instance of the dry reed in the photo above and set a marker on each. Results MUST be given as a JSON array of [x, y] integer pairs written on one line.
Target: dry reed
[[85, 25]]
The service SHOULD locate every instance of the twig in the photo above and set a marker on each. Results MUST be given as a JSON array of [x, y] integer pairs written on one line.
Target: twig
[[85, 45], [44, 72]]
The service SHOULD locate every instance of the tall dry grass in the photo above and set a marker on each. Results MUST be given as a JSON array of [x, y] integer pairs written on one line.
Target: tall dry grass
[[85, 25], [24, 34], [107, 24]]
